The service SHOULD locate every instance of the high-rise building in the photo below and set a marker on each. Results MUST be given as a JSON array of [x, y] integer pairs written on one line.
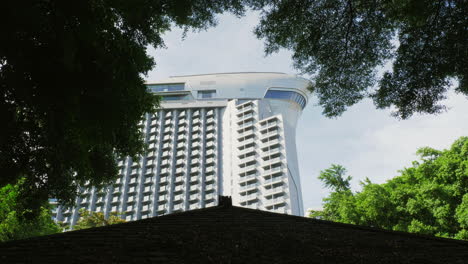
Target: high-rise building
[[230, 134]]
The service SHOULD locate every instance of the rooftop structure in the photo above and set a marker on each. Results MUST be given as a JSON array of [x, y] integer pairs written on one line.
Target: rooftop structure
[[230, 234]]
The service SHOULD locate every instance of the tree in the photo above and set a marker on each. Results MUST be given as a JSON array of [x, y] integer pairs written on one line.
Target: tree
[[333, 178], [13, 224], [94, 219], [342, 43], [431, 197], [72, 89]]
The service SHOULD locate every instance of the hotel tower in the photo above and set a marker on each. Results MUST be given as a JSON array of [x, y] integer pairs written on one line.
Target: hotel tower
[[230, 134]]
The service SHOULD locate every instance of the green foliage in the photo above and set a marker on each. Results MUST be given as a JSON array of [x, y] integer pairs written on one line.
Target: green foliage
[[94, 219], [341, 44], [429, 198], [72, 90], [333, 178], [13, 224]]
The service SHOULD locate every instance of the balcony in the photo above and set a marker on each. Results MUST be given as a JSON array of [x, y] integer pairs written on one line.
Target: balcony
[[245, 125], [179, 171], [272, 162], [195, 162], [167, 138], [244, 108], [209, 162], [246, 133], [247, 160], [178, 198], [246, 143], [163, 190], [178, 208], [194, 197], [194, 179], [166, 146], [209, 179], [165, 163], [210, 128], [248, 179], [274, 191], [132, 181], [179, 180], [194, 170], [245, 118], [163, 180], [196, 137], [245, 151], [209, 188], [162, 209], [249, 198], [150, 163], [148, 189], [269, 134], [132, 190], [196, 145], [180, 162], [249, 187], [248, 169], [194, 188], [146, 199], [275, 180], [131, 199], [178, 189], [275, 202], [210, 144], [210, 121], [145, 209], [153, 130], [180, 154], [210, 153], [210, 197], [210, 170], [272, 172], [100, 200]]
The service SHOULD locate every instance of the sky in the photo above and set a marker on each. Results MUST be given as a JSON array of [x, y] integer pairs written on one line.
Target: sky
[[368, 142]]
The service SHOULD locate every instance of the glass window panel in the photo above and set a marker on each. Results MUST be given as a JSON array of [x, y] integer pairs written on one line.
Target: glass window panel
[[206, 94], [286, 95], [166, 87]]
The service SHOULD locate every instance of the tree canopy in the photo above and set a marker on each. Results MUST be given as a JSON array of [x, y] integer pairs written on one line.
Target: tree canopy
[[13, 224], [342, 43], [431, 197], [95, 219], [72, 90]]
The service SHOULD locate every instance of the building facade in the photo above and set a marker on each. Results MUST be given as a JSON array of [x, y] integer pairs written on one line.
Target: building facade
[[230, 134]]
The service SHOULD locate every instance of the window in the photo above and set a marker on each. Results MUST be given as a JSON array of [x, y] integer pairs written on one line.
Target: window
[[206, 94], [166, 87], [287, 95], [175, 97]]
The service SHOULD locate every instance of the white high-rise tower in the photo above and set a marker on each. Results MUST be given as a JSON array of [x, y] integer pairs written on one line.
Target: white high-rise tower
[[231, 134]]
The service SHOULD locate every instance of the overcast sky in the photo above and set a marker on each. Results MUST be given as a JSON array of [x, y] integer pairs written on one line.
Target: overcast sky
[[368, 142]]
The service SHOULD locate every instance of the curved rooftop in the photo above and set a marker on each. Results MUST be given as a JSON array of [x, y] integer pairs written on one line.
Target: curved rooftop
[[232, 85]]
